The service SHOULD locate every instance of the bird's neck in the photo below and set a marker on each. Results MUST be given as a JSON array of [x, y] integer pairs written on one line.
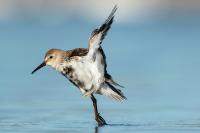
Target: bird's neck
[[58, 67]]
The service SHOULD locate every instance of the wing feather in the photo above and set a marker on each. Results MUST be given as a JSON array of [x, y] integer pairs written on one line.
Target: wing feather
[[107, 76], [77, 52], [99, 34]]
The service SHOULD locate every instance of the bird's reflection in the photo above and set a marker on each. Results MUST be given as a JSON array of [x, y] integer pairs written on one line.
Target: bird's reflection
[[96, 129]]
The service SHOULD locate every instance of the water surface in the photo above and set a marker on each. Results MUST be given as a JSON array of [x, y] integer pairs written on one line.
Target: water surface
[[158, 64]]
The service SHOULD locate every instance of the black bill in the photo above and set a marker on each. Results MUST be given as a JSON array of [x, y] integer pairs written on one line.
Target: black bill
[[40, 66]]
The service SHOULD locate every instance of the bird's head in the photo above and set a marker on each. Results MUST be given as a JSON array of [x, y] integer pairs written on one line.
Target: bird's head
[[52, 58]]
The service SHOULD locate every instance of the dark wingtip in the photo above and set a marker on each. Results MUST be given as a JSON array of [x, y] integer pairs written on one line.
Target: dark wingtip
[[111, 15]]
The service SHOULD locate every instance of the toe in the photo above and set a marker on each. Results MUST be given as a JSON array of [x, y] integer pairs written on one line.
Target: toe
[[100, 121]]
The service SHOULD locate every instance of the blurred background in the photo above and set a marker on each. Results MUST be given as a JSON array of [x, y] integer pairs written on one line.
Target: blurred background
[[153, 49]]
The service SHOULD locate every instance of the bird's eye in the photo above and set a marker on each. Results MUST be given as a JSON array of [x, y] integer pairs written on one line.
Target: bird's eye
[[50, 57]]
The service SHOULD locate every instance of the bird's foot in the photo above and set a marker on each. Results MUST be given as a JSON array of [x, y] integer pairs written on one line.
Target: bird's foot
[[100, 120]]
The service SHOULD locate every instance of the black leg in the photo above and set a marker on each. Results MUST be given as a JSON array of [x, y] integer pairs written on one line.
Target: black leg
[[98, 117]]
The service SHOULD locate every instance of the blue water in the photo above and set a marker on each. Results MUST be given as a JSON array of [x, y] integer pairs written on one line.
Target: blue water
[[157, 63]]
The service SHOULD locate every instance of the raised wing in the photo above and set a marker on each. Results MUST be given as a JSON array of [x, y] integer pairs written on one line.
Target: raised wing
[[96, 39], [94, 43], [99, 34]]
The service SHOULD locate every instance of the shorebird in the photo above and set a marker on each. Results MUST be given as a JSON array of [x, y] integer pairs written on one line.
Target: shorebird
[[86, 67]]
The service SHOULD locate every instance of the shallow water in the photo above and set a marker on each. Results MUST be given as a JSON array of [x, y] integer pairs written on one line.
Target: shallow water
[[160, 74], [51, 116]]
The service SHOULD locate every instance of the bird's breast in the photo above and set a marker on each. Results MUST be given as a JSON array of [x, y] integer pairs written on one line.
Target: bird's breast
[[84, 73], [78, 74]]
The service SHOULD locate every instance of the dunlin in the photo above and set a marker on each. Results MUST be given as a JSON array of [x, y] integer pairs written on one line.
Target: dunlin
[[86, 67]]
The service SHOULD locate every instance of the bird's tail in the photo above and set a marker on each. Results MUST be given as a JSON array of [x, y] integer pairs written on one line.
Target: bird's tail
[[109, 90]]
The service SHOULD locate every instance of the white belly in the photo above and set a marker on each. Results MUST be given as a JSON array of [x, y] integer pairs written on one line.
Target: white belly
[[89, 71]]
